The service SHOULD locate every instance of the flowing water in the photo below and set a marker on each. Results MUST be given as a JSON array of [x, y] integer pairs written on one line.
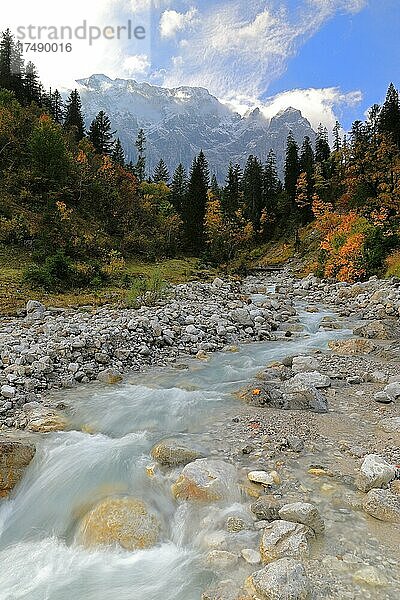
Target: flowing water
[[106, 454]]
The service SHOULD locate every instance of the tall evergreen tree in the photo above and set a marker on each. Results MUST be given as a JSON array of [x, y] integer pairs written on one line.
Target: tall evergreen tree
[[118, 154], [322, 148], [307, 161], [270, 183], [57, 107], [389, 118], [100, 134], [140, 168], [252, 186], [194, 208], [74, 120], [337, 142], [231, 194], [32, 85], [215, 187], [179, 188], [292, 167], [6, 45], [161, 173]]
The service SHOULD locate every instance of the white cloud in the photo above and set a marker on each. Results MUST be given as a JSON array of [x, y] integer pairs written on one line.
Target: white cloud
[[172, 21], [138, 64], [238, 49]]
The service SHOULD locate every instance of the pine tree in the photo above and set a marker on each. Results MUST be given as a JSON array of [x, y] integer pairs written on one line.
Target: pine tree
[[231, 194], [140, 168], [179, 188], [194, 208], [252, 186], [337, 142], [215, 189], [389, 118], [57, 107], [322, 148], [6, 44], [161, 173], [74, 120], [32, 85], [307, 162], [118, 154], [18, 71], [100, 134], [270, 183], [292, 167]]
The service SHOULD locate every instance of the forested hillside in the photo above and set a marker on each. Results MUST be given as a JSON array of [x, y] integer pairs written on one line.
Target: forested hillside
[[69, 199]]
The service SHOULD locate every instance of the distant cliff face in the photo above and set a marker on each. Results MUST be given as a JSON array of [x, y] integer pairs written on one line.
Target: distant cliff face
[[179, 122]]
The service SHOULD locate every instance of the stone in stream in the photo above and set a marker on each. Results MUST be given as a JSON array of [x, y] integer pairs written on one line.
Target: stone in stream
[[173, 453], [267, 508], [284, 579], [284, 538], [370, 576], [264, 478], [221, 559], [390, 425], [252, 557], [110, 376], [41, 419], [305, 513], [124, 521], [384, 505], [375, 472], [351, 346], [206, 480], [15, 457]]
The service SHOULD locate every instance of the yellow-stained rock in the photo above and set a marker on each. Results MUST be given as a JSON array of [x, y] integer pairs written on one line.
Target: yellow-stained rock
[[124, 521], [14, 458], [205, 480], [172, 453], [351, 346], [45, 420]]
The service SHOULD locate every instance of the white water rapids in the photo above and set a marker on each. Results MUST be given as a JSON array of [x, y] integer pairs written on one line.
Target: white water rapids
[[72, 470]]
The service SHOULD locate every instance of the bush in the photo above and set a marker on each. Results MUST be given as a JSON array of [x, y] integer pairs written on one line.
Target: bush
[[146, 291]]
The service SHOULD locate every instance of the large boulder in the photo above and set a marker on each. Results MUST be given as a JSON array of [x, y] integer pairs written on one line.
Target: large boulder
[[41, 419], [390, 425], [266, 508], [305, 513], [284, 538], [351, 347], [374, 330], [375, 472], [206, 480], [311, 378], [124, 521], [384, 505], [34, 311], [14, 459], [284, 579], [302, 396], [173, 453], [304, 364]]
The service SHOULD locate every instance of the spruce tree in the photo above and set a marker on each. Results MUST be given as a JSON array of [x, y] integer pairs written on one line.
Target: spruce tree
[[337, 142], [118, 154], [74, 120], [140, 168], [215, 187], [231, 194], [161, 173], [270, 183], [322, 148], [292, 167], [32, 85], [194, 208], [6, 44], [252, 186], [100, 134], [57, 107], [389, 118], [179, 188], [307, 162]]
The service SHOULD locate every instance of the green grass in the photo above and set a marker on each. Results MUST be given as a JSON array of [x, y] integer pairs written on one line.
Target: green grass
[[14, 292]]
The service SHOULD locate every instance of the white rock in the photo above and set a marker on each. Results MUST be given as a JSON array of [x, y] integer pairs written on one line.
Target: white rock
[[392, 390], [7, 391], [252, 557], [303, 364], [267, 479], [312, 378], [390, 425], [305, 513], [375, 472], [284, 579]]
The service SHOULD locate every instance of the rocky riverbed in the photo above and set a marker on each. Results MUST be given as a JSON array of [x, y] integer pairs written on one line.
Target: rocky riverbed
[[293, 491]]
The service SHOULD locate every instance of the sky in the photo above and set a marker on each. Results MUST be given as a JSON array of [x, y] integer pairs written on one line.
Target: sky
[[329, 58]]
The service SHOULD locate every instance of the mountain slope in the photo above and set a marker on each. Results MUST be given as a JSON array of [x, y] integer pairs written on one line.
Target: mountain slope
[[180, 122]]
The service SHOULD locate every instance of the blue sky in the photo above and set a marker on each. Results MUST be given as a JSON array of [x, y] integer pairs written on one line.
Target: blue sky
[[327, 57]]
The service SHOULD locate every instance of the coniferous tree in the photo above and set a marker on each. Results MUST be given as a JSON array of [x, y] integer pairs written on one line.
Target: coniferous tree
[[292, 167], [57, 107], [74, 120], [194, 208], [270, 183], [252, 186], [307, 163], [215, 187], [337, 142], [100, 134], [140, 168], [389, 118], [179, 188], [32, 85], [6, 44], [322, 148], [161, 173], [231, 195], [118, 154]]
